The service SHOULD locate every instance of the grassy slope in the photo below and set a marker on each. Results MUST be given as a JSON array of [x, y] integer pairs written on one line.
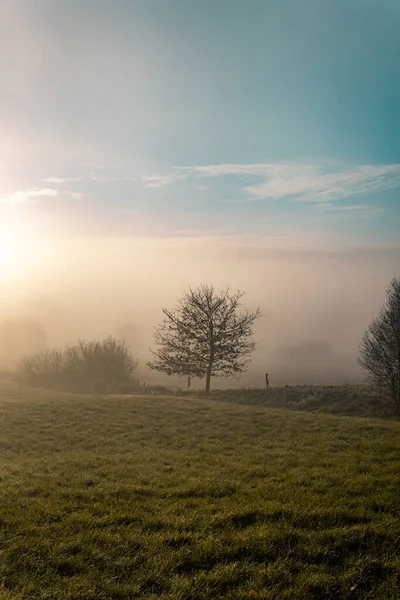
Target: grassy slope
[[351, 400], [184, 498]]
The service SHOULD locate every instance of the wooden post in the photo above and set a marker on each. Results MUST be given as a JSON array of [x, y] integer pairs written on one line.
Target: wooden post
[[189, 382], [266, 380]]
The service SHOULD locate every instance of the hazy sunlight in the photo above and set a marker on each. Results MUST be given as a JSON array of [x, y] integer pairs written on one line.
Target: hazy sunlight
[[9, 255], [17, 257]]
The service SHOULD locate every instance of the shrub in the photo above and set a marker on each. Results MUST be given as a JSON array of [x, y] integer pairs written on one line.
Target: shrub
[[94, 366]]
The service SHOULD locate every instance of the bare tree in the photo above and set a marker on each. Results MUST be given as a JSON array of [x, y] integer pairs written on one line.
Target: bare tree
[[209, 333], [380, 346]]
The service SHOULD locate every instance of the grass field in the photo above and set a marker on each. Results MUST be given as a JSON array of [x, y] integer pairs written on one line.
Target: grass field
[[194, 498], [351, 400]]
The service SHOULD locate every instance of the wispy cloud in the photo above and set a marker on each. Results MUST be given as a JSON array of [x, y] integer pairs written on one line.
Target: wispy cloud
[[320, 180], [149, 181], [161, 181], [102, 178], [26, 196], [86, 177], [60, 180], [354, 208], [33, 195], [77, 195], [240, 170], [310, 182]]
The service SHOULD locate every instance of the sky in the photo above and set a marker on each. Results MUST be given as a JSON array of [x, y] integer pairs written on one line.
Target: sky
[[163, 130], [168, 117]]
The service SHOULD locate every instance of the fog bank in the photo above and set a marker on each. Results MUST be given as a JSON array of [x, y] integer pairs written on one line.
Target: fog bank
[[316, 303]]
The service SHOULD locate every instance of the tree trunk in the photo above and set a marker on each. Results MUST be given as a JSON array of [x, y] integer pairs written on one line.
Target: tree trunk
[[396, 397], [208, 380], [210, 364]]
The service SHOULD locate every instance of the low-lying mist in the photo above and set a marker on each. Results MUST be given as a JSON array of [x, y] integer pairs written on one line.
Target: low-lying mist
[[316, 304]]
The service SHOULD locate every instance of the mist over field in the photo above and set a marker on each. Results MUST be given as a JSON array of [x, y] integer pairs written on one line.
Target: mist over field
[[145, 147], [192, 156], [316, 303]]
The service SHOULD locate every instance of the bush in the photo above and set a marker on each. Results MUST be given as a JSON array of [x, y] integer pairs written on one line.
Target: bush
[[97, 366]]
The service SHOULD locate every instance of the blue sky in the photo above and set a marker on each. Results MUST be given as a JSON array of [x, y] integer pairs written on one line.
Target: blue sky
[[180, 117]]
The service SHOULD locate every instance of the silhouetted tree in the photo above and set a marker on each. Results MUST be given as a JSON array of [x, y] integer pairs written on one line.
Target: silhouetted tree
[[207, 334], [380, 346]]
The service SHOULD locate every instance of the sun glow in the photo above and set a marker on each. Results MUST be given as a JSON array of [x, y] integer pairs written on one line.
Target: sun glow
[[19, 257], [23, 256], [10, 256]]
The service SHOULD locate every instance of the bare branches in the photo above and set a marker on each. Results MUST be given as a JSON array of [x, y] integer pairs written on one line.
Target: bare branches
[[208, 334], [380, 346]]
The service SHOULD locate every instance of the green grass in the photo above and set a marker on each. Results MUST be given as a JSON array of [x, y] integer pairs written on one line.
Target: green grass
[[193, 498], [351, 400]]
